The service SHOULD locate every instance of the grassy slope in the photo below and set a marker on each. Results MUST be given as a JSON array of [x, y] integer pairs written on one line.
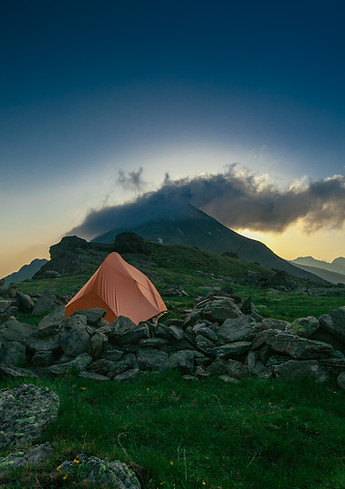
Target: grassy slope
[[255, 435]]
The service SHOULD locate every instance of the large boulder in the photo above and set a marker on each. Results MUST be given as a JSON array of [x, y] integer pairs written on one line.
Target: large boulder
[[239, 329], [24, 412], [221, 308], [299, 369], [15, 330], [45, 303], [299, 348], [75, 338], [334, 323], [25, 303], [123, 331]]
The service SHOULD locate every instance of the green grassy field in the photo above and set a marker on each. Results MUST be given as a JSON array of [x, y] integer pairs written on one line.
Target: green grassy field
[[196, 434]]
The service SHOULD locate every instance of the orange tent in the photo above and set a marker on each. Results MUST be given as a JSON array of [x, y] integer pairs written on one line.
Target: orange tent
[[120, 289]]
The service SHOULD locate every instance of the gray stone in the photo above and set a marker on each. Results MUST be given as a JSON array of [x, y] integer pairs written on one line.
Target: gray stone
[[228, 379], [298, 369], [277, 360], [251, 359], [236, 369], [97, 344], [128, 362], [116, 475], [220, 309], [162, 331], [25, 303], [44, 304], [341, 380], [75, 338], [93, 315], [153, 343], [218, 367], [124, 331], [24, 412], [208, 333], [104, 367], [16, 331], [182, 360], [193, 318], [299, 348], [239, 329], [93, 376], [305, 327], [265, 353], [79, 364], [13, 353], [232, 349], [334, 323], [48, 343], [149, 359], [127, 375], [112, 354], [42, 359], [270, 323], [15, 372], [176, 332], [5, 304], [34, 456], [204, 344], [261, 338], [52, 323]]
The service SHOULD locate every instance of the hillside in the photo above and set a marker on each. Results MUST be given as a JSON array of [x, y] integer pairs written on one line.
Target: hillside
[[192, 227], [336, 266], [25, 272], [330, 276]]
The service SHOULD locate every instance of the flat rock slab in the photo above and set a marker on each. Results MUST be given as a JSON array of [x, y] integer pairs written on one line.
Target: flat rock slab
[[34, 456], [24, 412]]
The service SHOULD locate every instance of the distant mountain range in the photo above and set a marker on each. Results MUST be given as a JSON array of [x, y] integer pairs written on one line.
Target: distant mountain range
[[332, 272], [26, 272], [192, 227]]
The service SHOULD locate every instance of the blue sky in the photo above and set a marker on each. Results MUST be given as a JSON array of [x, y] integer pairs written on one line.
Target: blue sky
[[91, 88]]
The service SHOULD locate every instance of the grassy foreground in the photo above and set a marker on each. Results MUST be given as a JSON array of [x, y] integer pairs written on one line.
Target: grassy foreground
[[197, 434]]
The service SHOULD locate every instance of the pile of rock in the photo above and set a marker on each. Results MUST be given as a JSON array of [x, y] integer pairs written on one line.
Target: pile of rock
[[221, 336]]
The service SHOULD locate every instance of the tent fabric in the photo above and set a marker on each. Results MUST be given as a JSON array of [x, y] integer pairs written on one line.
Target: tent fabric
[[120, 289]]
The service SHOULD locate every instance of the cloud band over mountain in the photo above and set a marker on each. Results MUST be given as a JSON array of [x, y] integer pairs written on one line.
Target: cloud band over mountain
[[236, 198]]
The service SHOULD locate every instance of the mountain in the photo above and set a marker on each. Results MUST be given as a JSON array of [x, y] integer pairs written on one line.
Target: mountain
[[25, 272], [332, 272], [192, 227], [333, 277]]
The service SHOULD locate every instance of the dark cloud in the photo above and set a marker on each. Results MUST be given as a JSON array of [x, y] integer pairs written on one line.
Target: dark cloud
[[236, 198], [132, 180]]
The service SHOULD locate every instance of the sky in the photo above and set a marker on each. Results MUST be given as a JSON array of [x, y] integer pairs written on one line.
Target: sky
[[239, 102]]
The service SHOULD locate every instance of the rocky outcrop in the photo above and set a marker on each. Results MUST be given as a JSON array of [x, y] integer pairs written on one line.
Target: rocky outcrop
[[222, 335]]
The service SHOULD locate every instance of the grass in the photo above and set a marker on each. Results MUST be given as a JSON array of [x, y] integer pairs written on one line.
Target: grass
[[259, 435]]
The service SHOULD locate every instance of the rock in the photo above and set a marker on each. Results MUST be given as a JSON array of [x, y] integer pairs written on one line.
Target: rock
[[228, 379], [334, 323], [193, 318], [341, 380], [48, 343], [299, 348], [104, 367], [32, 457], [129, 242], [277, 360], [52, 323], [16, 331], [42, 358], [176, 332], [5, 305], [24, 412], [231, 349], [15, 372], [153, 343], [93, 315], [298, 369], [75, 338], [261, 338], [13, 353], [129, 362], [270, 323], [124, 331], [239, 329], [204, 344], [44, 304], [152, 359], [93, 376], [265, 353], [218, 310], [182, 360], [111, 354], [25, 303], [97, 344], [115, 475], [208, 333], [79, 364], [305, 327], [218, 367], [127, 375], [236, 369]]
